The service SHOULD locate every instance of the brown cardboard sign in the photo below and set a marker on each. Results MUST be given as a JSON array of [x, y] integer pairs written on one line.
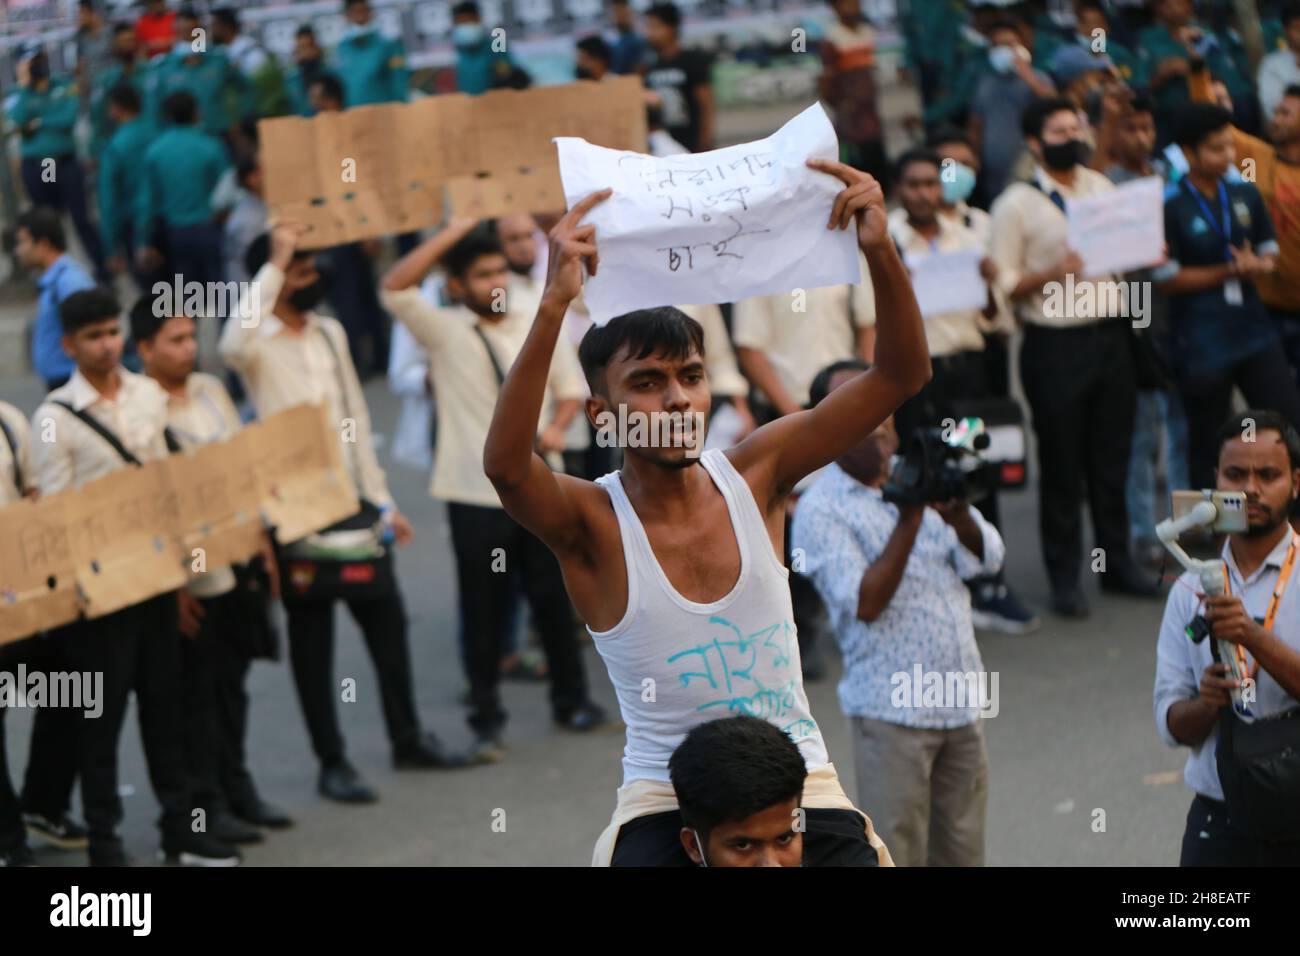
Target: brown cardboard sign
[[380, 170]]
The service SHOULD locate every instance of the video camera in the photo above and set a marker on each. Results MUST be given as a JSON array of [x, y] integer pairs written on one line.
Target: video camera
[[943, 464]]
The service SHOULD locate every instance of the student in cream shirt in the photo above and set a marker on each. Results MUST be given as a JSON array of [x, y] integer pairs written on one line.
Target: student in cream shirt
[[15, 456]]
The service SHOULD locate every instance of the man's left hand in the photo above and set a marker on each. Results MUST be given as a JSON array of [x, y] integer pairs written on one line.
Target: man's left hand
[[1230, 622], [402, 530]]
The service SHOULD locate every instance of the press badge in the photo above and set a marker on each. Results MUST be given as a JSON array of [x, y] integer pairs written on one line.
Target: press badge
[[1232, 292]]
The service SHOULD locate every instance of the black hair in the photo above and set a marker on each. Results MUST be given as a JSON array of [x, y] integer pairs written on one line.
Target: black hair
[[86, 308], [1291, 11], [917, 155], [123, 27], [1007, 23], [665, 330], [730, 769], [349, 4], [461, 257], [305, 30], [186, 13], [125, 97], [258, 254], [596, 46], [1141, 102], [1090, 5], [248, 163], [821, 383], [666, 13], [466, 8], [1292, 90], [331, 87], [1036, 114], [947, 133], [1261, 420], [181, 108], [226, 16], [144, 323], [43, 223], [1194, 122]]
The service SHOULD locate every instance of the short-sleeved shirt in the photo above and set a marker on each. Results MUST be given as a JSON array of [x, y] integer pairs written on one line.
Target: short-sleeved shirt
[[15, 459], [1208, 333], [675, 80], [999, 101]]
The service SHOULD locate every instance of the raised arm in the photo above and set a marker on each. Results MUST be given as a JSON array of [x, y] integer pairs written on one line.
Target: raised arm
[[531, 493], [779, 454]]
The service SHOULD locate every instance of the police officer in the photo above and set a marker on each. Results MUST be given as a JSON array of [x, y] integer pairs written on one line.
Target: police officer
[[120, 162], [45, 108], [372, 66], [207, 74]]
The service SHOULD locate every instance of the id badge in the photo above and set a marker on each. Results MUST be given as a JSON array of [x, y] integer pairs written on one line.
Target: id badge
[[1232, 292]]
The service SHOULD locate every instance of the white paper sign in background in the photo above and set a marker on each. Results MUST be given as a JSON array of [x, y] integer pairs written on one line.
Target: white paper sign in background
[[1119, 230], [948, 281], [712, 227]]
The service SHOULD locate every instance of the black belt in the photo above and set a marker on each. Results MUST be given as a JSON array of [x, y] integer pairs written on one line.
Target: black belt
[[1087, 328]]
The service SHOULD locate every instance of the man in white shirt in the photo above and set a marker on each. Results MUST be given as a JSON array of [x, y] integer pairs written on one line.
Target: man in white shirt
[[105, 419], [1281, 68], [471, 348], [288, 354]]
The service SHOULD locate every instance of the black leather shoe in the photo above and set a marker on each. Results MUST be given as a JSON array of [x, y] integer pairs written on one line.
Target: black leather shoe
[[341, 782], [1124, 577], [227, 828], [108, 853], [587, 718], [427, 753], [1069, 602], [16, 856], [259, 813]]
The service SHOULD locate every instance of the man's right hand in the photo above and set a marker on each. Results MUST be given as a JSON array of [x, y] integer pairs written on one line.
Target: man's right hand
[[284, 242], [1216, 687], [148, 259], [572, 246], [1070, 264], [190, 614]]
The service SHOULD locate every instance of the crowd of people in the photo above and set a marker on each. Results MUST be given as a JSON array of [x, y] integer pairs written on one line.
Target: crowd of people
[[481, 328]]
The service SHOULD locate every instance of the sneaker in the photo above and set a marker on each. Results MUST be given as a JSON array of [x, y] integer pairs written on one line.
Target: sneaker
[[341, 782], [995, 607], [427, 753], [64, 833], [198, 849], [487, 748], [20, 855], [227, 828]]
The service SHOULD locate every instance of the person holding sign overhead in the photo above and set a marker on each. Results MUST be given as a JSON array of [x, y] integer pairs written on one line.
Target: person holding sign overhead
[[670, 564], [1221, 241]]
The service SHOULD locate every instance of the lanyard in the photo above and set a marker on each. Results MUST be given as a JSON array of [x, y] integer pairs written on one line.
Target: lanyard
[[1224, 230], [1279, 589]]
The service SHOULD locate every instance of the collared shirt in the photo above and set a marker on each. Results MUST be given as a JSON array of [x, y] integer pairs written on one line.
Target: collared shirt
[[950, 332], [1277, 71], [56, 107], [842, 527], [75, 453], [283, 367], [182, 168], [120, 163], [247, 221], [372, 67], [17, 426], [64, 277], [203, 415], [1180, 663], [1029, 235], [802, 334], [467, 386]]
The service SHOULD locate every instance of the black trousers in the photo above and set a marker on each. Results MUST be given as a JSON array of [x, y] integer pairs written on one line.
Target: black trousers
[[483, 538], [1265, 380], [311, 654], [964, 375], [137, 648], [1210, 839], [1083, 397], [831, 838], [216, 716]]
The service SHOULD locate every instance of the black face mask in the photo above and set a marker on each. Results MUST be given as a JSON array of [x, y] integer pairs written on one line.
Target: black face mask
[[309, 296], [1063, 156]]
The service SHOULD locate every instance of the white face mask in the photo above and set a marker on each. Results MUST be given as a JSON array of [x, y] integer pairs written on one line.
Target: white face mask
[[699, 845]]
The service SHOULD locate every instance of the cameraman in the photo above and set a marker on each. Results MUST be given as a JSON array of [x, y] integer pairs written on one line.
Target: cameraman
[[1191, 689], [891, 578]]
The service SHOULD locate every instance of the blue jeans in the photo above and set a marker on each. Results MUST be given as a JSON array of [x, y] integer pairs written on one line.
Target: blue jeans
[[1157, 410]]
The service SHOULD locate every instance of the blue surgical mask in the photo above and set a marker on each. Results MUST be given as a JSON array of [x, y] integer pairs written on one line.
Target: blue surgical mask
[[467, 34], [184, 48], [1002, 59], [355, 31], [958, 186]]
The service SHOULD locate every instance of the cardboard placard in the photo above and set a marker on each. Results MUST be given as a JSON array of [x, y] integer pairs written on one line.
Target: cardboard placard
[[380, 170], [131, 534]]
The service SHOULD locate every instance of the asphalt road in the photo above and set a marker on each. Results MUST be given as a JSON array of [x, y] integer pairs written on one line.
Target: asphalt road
[[1074, 734]]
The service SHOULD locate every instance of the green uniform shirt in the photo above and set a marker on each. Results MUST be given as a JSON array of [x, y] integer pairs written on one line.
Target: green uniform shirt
[[101, 127], [120, 162], [181, 169], [1156, 44], [209, 80], [45, 118], [372, 68]]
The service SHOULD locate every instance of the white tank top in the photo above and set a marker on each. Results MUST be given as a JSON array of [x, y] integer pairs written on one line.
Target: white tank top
[[676, 663]]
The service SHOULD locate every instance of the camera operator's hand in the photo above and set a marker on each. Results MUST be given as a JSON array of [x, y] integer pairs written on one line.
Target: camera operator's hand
[[1216, 687], [958, 515], [1230, 622]]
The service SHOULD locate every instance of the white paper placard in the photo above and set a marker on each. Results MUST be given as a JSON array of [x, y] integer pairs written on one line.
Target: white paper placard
[[1119, 230], [948, 281], [712, 227]]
